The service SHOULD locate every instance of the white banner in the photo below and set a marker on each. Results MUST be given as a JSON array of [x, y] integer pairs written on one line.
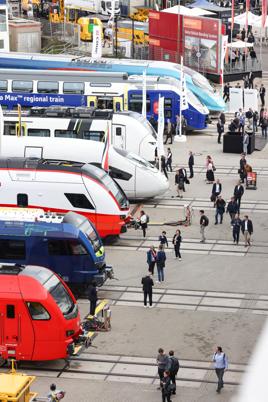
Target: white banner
[[251, 99], [144, 103], [161, 126], [1, 122], [96, 44], [224, 43], [236, 99], [183, 95]]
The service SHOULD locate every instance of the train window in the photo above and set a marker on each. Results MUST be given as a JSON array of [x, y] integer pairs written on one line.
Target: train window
[[58, 247], [61, 297], [22, 200], [45, 87], [79, 200], [12, 128], [3, 86], [94, 135], [10, 311], [12, 249], [73, 88], [22, 86], [168, 114], [118, 131], [77, 248], [38, 311], [38, 132], [66, 134], [135, 104], [168, 102]]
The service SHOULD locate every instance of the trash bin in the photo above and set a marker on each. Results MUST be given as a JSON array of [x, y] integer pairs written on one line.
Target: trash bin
[[251, 181]]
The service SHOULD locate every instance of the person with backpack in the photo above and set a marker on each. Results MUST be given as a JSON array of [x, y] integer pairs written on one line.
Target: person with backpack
[[203, 224], [173, 370], [221, 364], [160, 263]]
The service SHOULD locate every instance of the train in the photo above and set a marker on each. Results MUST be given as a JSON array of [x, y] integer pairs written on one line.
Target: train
[[68, 244], [63, 186], [39, 315], [52, 132], [117, 91], [195, 81]]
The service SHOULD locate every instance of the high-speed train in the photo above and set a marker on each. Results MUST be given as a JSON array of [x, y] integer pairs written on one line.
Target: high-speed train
[[195, 81], [118, 91], [74, 138]]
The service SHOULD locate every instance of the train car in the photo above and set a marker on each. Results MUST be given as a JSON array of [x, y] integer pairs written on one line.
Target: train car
[[63, 186], [195, 81], [68, 244], [46, 88], [78, 138], [38, 313]]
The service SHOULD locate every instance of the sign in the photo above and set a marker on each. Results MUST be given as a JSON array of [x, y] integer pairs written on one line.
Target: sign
[[97, 43], [251, 181], [251, 99], [236, 99]]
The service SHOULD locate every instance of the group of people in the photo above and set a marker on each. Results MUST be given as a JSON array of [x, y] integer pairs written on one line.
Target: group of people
[[248, 83]]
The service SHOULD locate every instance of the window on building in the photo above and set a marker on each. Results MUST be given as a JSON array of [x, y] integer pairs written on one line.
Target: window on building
[[38, 311], [2, 44], [3, 86], [45, 87], [12, 249], [10, 311], [79, 201], [66, 134], [3, 26], [38, 132], [73, 88], [22, 200], [22, 86]]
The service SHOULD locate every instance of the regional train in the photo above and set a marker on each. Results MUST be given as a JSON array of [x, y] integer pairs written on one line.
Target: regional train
[[68, 244], [195, 81], [39, 317], [63, 186], [81, 139], [117, 91]]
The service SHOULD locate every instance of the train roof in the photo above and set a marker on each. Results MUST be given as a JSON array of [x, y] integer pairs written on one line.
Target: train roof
[[9, 228]]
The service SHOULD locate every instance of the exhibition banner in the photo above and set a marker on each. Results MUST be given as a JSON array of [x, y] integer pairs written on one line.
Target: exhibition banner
[[236, 99], [251, 99], [96, 45], [144, 103], [161, 126]]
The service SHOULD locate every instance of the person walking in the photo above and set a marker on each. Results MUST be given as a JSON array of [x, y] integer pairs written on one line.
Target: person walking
[[162, 362], [242, 164], [166, 387], [251, 80], [222, 119], [163, 165], [191, 164], [247, 230], [236, 224], [176, 241], [238, 194], [210, 170], [143, 220], [169, 160], [92, 297], [180, 182], [169, 132], [262, 95], [151, 259], [264, 123], [174, 367], [232, 208], [245, 143], [242, 121], [226, 92], [220, 209], [216, 191], [221, 364], [177, 128], [220, 130], [160, 263], [163, 239], [255, 121], [204, 222], [147, 287]]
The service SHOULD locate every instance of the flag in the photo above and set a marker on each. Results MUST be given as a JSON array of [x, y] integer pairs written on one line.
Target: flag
[[105, 154], [144, 103], [19, 121], [183, 95], [264, 12], [247, 10], [161, 126], [96, 44], [232, 23], [1, 121], [224, 43]]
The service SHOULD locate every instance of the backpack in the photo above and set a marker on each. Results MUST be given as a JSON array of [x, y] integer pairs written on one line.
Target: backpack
[[148, 219], [175, 365], [264, 122], [206, 220]]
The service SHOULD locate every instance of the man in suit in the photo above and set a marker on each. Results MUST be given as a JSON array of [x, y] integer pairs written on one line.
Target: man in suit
[[247, 230], [262, 95], [191, 164], [216, 189], [232, 208], [147, 287], [238, 193], [220, 130], [169, 160]]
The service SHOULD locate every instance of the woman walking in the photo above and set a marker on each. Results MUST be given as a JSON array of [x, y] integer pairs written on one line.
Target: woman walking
[[210, 170], [160, 263], [177, 244], [151, 259]]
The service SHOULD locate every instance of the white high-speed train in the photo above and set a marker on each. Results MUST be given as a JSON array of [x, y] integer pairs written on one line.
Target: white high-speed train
[[72, 138]]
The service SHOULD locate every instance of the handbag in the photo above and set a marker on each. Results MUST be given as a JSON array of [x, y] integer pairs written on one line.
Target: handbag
[[213, 168]]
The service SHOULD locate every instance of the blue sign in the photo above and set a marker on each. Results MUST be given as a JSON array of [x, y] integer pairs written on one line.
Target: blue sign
[[29, 99]]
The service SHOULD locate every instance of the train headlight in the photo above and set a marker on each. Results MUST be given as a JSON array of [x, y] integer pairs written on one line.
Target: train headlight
[[70, 332], [122, 217]]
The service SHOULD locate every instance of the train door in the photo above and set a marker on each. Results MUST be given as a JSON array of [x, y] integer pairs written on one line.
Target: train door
[[119, 136], [118, 104], [92, 101]]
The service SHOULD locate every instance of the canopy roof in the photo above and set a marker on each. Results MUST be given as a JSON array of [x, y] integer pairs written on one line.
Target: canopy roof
[[239, 44], [208, 6], [189, 12], [253, 19]]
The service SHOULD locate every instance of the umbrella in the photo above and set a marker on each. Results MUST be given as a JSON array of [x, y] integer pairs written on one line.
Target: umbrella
[[239, 44], [241, 19]]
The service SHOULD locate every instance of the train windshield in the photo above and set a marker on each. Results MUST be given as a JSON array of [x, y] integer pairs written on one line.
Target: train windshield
[[145, 123], [60, 295], [135, 158], [91, 234]]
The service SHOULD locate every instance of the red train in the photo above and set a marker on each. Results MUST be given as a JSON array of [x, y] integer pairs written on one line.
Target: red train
[[39, 317]]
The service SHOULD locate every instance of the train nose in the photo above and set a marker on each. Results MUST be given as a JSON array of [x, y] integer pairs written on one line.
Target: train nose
[[152, 184]]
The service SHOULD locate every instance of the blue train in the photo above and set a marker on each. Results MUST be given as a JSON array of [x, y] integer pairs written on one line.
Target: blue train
[[196, 83]]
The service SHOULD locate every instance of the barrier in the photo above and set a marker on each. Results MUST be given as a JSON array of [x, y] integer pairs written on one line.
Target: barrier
[[251, 181]]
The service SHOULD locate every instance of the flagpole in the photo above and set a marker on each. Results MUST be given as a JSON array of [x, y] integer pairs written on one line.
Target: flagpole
[[183, 105]]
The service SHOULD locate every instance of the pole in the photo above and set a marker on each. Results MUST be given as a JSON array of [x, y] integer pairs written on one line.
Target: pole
[[132, 43], [116, 36]]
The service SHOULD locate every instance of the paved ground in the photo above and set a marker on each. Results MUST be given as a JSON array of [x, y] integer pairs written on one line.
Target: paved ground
[[217, 294]]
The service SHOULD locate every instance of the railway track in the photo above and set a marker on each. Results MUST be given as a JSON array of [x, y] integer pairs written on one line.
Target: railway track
[[133, 369], [184, 299]]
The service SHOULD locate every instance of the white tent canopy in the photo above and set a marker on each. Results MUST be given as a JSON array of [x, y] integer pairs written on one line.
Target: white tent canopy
[[193, 12], [239, 44], [241, 19]]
